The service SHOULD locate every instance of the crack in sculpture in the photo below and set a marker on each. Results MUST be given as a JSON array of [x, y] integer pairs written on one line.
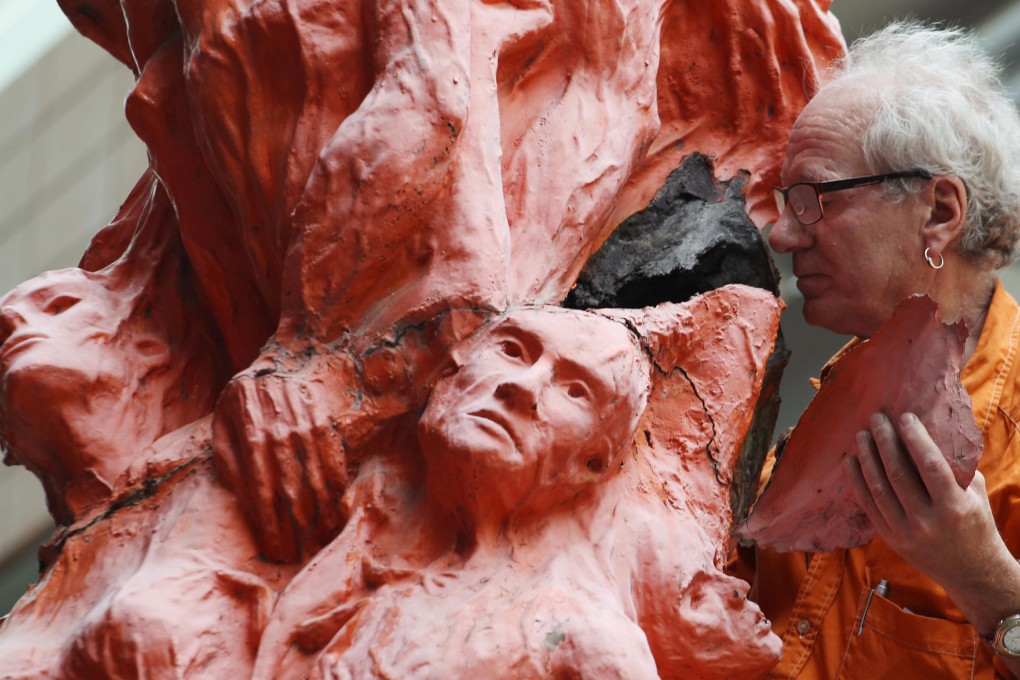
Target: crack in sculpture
[[150, 487], [711, 422]]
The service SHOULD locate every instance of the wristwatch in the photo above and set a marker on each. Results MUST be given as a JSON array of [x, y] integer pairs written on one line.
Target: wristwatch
[[1007, 637]]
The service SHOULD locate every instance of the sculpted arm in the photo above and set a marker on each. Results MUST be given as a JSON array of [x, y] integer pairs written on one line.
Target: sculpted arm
[[279, 439], [278, 446], [361, 227]]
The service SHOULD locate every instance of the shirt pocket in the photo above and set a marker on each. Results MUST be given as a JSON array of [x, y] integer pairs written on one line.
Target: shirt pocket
[[899, 644]]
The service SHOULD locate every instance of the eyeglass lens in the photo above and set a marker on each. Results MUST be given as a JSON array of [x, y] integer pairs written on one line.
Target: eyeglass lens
[[803, 200]]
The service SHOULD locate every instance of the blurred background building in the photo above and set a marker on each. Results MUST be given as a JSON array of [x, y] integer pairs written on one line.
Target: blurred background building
[[68, 159]]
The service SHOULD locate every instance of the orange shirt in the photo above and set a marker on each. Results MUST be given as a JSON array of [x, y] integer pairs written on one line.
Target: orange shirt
[[816, 601]]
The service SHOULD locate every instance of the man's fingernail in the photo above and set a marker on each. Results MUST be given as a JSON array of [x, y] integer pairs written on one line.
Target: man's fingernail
[[877, 420], [908, 419]]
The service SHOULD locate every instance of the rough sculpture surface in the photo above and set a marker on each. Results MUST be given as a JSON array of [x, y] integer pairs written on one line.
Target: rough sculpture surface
[[912, 363], [308, 407]]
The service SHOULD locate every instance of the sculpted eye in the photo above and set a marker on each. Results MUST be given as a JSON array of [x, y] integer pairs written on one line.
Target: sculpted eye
[[511, 349], [61, 304], [578, 391]]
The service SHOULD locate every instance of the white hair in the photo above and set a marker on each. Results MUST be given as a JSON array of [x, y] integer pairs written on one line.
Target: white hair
[[941, 107]]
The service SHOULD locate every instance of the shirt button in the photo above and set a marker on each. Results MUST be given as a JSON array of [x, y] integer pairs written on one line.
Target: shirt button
[[803, 627]]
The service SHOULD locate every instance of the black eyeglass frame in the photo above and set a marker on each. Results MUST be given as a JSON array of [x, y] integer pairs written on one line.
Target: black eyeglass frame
[[782, 194]]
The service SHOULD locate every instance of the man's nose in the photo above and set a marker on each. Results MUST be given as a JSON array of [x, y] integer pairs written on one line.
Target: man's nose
[[789, 235]]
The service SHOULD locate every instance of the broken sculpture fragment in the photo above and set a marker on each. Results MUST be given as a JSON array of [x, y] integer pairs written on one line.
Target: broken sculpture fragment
[[912, 363]]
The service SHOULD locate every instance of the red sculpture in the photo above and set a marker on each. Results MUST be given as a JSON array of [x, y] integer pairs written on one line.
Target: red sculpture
[[361, 212], [528, 537]]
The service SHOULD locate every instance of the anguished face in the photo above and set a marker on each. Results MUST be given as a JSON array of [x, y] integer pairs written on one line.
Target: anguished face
[[69, 369], [55, 320], [540, 407], [866, 253]]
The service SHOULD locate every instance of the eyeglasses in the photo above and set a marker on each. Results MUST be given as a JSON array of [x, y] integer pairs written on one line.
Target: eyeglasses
[[803, 196]]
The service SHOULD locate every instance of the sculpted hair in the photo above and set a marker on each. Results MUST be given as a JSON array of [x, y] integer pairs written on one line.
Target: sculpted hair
[[941, 107]]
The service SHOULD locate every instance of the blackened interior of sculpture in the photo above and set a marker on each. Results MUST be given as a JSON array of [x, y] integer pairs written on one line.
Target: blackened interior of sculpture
[[693, 237]]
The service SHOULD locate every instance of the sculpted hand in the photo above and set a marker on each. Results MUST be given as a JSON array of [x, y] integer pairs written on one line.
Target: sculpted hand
[[277, 447], [909, 492]]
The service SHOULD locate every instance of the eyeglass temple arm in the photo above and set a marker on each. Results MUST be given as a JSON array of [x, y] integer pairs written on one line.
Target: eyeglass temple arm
[[840, 184]]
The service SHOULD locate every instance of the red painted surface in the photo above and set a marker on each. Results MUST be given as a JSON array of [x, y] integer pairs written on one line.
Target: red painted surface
[[911, 364], [349, 209], [523, 546]]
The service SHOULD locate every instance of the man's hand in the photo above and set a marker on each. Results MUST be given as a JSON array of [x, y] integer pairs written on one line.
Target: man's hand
[[909, 492]]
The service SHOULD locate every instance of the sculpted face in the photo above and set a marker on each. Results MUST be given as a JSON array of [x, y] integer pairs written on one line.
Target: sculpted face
[[865, 255], [541, 404], [66, 375], [51, 327]]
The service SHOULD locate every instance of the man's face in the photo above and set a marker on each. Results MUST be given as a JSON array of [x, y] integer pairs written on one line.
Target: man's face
[[538, 401], [866, 253]]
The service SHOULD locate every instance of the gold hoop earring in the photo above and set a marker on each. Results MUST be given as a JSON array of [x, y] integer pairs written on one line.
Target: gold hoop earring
[[931, 260]]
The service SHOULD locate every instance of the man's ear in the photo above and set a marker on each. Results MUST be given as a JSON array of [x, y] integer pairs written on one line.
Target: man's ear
[[948, 199]]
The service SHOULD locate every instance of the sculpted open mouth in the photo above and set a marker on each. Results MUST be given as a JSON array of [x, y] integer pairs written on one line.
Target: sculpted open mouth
[[16, 342], [498, 419]]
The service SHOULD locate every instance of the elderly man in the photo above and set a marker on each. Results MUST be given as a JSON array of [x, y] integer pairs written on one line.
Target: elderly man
[[902, 176]]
